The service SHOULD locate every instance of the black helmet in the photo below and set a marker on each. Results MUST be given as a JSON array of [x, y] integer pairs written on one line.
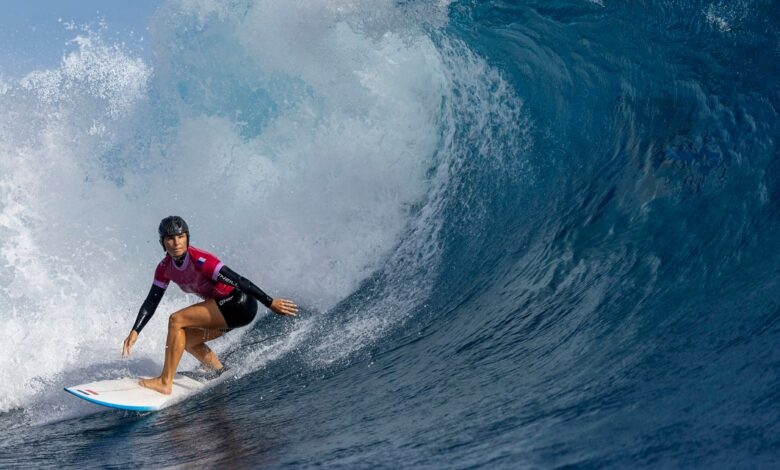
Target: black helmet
[[173, 225]]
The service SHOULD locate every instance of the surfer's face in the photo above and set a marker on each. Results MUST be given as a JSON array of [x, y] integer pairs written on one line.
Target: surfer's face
[[176, 245]]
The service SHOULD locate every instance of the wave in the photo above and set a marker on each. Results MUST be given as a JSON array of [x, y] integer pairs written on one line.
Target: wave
[[548, 228]]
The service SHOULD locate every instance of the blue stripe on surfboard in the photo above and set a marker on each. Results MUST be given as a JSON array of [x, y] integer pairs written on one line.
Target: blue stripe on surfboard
[[110, 405]]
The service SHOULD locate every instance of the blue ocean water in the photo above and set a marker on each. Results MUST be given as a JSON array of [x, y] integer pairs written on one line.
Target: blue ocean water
[[523, 234]]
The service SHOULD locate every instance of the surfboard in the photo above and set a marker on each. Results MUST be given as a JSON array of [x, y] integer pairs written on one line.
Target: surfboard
[[127, 394]]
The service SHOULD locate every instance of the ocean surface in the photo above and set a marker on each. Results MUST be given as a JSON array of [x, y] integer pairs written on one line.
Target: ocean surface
[[522, 234]]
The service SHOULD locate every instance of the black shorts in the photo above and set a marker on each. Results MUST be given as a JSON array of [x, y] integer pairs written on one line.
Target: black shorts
[[239, 309]]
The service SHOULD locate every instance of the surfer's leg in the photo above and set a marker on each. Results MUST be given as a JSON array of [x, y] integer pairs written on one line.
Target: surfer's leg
[[195, 344], [201, 315]]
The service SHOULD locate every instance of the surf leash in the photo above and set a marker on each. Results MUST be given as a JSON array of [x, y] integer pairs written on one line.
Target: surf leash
[[242, 346]]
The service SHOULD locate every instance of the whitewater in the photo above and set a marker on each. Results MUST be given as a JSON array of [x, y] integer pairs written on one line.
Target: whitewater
[[521, 234]]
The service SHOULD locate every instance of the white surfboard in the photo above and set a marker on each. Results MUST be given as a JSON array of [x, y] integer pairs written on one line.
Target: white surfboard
[[127, 394]]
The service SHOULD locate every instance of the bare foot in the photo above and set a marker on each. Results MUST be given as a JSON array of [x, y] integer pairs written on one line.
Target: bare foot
[[156, 384]]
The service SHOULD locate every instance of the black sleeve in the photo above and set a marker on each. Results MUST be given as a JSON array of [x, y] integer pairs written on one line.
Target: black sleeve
[[148, 307], [231, 278]]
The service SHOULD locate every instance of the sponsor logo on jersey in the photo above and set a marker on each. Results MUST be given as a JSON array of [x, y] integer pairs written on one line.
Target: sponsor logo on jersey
[[201, 261]]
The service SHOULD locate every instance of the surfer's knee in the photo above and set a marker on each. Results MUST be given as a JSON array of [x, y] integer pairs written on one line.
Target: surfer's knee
[[176, 320]]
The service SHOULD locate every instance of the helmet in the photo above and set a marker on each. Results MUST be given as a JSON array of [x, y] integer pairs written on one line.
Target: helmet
[[173, 225]]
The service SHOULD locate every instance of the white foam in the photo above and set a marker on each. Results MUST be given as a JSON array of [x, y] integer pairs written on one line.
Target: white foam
[[726, 16], [306, 208]]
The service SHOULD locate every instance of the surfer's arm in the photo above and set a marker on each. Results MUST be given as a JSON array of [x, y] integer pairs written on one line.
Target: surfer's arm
[[148, 307], [280, 306], [232, 278], [144, 314]]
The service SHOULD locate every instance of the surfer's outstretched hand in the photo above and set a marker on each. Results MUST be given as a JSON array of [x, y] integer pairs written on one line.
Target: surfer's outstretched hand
[[129, 342], [284, 307]]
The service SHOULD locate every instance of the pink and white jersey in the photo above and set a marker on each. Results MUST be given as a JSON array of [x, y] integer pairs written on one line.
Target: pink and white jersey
[[197, 274]]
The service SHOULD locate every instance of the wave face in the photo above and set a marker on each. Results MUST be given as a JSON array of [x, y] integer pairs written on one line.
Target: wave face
[[534, 234]]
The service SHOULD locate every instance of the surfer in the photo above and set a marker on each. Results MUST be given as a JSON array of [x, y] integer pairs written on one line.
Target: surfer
[[229, 301]]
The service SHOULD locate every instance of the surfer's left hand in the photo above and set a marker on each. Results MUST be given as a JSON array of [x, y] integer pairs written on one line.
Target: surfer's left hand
[[284, 307]]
